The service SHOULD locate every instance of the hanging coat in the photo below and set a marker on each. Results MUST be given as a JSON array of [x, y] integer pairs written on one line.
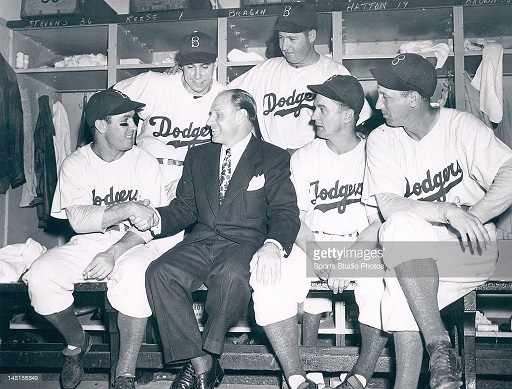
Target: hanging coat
[[45, 166], [11, 129]]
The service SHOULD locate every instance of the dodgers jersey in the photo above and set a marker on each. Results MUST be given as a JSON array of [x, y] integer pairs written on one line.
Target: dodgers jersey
[[86, 179], [459, 157], [284, 102], [173, 119], [329, 187]]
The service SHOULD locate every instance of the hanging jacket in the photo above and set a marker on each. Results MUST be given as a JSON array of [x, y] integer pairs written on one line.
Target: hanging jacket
[[45, 166], [84, 133], [11, 129]]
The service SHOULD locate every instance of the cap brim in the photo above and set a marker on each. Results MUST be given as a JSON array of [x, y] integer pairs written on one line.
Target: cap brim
[[388, 79], [293, 28], [127, 107], [326, 91], [197, 58]]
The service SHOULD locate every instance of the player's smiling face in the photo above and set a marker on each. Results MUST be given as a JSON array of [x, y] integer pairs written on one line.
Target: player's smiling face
[[298, 47], [120, 132], [394, 106], [197, 77], [327, 117]]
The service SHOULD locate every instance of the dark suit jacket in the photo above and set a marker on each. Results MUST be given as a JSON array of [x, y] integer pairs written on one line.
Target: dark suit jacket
[[246, 216]]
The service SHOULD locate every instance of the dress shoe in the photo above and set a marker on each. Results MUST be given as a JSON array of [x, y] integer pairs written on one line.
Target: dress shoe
[[308, 384], [73, 369], [185, 379], [210, 378], [445, 367]]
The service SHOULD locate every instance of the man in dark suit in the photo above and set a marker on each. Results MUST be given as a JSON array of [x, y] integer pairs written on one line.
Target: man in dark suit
[[238, 192]]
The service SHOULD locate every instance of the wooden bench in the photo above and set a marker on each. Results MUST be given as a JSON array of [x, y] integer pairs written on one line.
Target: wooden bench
[[236, 358], [494, 361]]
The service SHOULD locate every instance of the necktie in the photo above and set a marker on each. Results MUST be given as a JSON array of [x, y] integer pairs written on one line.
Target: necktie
[[225, 175]]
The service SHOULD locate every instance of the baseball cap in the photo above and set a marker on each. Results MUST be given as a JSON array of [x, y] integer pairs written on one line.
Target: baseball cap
[[297, 18], [408, 71], [109, 102], [197, 47], [345, 89]]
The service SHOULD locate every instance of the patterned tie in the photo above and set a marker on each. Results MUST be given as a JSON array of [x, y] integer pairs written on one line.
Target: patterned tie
[[225, 175]]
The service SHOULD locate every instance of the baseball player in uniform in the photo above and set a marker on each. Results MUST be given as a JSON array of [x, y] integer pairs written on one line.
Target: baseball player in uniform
[[279, 84], [98, 185], [177, 105], [328, 177], [438, 176]]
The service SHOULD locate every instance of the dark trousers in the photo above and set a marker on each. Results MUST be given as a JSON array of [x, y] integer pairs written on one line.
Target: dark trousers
[[223, 266]]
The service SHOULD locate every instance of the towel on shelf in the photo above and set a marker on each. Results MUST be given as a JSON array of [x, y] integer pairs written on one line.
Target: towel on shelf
[[488, 80], [239, 55], [440, 50]]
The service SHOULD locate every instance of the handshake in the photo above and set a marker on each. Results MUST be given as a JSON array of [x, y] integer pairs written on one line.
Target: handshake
[[143, 215]]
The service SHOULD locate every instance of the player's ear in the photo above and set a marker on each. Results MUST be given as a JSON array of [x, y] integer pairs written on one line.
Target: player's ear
[[348, 115], [312, 35], [414, 99], [101, 125]]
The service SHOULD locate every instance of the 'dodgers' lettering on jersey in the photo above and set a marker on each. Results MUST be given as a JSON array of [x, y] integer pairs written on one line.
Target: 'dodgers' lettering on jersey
[[114, 198], [440, 183], [337, 192], [295, 102], [187, 136]]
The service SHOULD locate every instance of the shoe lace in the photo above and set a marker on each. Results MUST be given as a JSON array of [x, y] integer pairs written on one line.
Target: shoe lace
[[124, 382], [185, 376], [444, 365]]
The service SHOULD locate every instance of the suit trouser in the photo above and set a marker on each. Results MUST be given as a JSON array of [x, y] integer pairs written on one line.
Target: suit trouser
[[223, 266]]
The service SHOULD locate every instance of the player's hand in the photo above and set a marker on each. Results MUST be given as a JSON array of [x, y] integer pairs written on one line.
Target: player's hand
[[470, 229], [338, 284], [100, 267], [143, 216], [266, 262]]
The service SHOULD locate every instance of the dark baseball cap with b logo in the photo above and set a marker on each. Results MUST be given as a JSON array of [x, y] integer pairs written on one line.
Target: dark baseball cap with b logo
[[109, 102], [408, 71], [197, 47], [342, 88], [296, 18]]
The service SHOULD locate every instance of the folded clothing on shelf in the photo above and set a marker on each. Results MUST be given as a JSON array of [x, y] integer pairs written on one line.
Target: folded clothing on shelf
[[82, 60], [236, 55], [440, 50]]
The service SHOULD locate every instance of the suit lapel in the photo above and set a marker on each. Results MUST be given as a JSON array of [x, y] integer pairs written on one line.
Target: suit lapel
[[243, 172], [210, 170]]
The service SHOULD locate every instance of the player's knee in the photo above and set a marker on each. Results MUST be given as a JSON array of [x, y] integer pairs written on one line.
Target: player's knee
[[404, 226], [40, 276]]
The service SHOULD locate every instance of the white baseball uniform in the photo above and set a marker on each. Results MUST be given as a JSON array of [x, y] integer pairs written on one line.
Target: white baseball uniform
[[329, 188], [284, 102], [173, 119], [455, 162], [86, 179]]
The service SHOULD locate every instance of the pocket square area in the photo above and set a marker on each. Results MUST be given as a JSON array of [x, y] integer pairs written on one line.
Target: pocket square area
[[257, 182]]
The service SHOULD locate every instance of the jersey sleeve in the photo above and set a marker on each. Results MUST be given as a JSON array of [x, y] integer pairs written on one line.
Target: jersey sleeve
[[151, 181], [485, 152], [382, 173], [140, 88], [247, 81], [300, 178]]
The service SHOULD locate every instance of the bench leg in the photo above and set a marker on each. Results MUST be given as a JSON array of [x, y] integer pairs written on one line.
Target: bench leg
[[468, 345]]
